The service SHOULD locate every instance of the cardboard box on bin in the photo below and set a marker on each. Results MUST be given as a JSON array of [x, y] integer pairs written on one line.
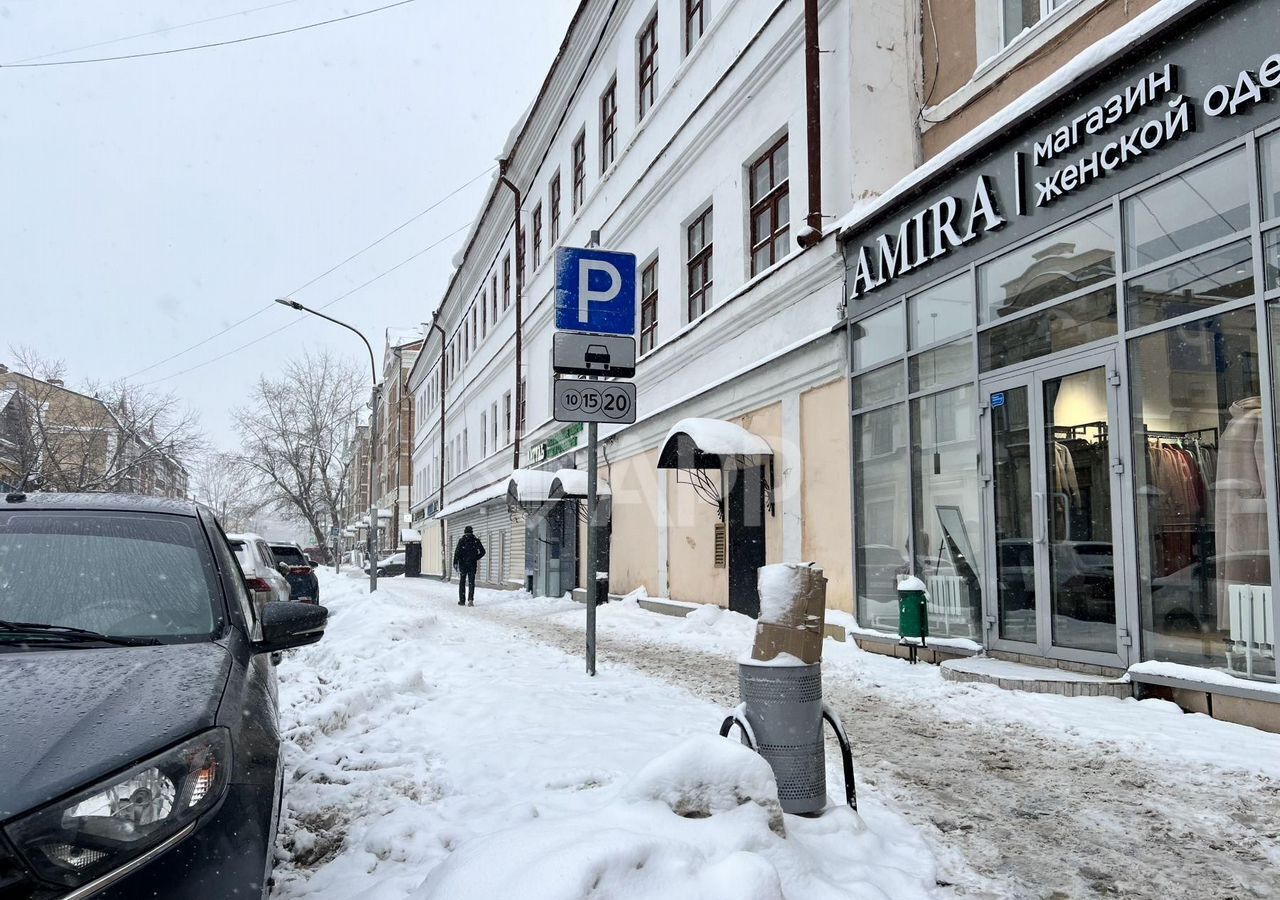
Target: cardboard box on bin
[[792, 612]]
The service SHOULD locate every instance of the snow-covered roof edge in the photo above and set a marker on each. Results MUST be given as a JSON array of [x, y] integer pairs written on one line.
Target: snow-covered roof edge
[[475, 498], [1085, 63]]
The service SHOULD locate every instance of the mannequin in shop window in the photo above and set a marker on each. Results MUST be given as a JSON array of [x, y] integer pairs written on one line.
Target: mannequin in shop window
[[1240, 499]]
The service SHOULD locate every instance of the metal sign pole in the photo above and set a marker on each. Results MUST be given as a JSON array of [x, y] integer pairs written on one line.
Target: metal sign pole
[[593, 563]]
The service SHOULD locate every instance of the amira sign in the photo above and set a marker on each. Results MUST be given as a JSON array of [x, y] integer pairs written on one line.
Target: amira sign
[[929, 234]]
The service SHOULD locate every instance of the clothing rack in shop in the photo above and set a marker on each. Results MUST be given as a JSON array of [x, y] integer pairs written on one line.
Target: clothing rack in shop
[[1079, 432], [1193, 434]]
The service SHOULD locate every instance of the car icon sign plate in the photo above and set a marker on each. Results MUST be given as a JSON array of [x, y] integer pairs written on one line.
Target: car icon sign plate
[[600, 355]]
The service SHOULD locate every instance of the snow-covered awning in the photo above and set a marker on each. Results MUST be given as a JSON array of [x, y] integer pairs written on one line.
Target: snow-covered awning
[[475, 498], [572, 484], [707, 443], [410, 534], [530, 486]]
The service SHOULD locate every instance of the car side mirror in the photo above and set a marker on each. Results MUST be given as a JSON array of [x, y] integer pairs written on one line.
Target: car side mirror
[[282, 568], [288, 625]]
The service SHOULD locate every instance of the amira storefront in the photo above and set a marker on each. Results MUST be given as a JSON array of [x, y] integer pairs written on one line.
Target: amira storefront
[[1063, 351]]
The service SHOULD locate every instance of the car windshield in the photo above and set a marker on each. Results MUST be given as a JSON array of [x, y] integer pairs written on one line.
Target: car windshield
[[115, 573], [290, 556]]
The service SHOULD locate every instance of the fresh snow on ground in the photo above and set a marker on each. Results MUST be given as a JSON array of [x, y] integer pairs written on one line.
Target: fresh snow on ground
[[433, 752]]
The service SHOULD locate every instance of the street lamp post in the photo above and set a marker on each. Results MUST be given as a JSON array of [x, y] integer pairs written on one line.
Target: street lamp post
[[371, 534]]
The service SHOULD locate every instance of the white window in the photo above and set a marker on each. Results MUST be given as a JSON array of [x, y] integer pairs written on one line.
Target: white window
[[1016, 16], [484, 435], [493, 418]]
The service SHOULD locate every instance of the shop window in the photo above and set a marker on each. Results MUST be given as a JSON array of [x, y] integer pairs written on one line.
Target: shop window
[[1269, 156], [1217, 277], [1204, 545], [878, 386], [1071, 324], [881, 514], [1271, 259], [942, 365], [878, 337], [944, 310], [1208, 202], [944, 472], [1061, 263]]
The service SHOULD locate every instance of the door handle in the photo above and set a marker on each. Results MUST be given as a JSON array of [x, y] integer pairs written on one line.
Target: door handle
[[1038, 513]]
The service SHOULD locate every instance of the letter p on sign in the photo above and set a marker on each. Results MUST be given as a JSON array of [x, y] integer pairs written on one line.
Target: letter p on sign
[[595, 291]]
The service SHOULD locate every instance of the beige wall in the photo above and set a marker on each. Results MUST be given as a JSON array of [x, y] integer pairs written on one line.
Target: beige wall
[[825, 496], [954, 21], [633, 550], [691, 528]]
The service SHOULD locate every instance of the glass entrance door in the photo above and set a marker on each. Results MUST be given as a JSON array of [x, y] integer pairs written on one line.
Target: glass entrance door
[[1052, 479]]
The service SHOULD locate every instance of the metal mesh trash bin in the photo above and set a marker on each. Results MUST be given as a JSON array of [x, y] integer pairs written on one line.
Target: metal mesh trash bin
[[783, 706]]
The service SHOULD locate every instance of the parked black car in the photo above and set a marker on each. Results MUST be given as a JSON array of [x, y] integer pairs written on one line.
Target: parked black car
[[303, 586], [139, 752]]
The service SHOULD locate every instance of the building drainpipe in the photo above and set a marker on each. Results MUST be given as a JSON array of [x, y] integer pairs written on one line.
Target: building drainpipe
[[444, 540], [503, 166], [813, 126]]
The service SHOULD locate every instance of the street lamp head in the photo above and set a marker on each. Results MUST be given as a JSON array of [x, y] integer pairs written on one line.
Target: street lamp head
[[292, 304]]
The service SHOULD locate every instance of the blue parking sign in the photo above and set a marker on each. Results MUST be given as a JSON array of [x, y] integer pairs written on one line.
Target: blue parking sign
[[595, 291]]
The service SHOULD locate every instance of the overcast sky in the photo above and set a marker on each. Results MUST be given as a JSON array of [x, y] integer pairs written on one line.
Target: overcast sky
[[149, 203]]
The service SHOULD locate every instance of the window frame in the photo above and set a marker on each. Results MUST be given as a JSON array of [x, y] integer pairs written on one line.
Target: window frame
[[579, 164], [692, 9], [649, 302], [535, 238], [779, 192], [609, 124], [700, 260], [506, 282], [553, 209], [647, 65]]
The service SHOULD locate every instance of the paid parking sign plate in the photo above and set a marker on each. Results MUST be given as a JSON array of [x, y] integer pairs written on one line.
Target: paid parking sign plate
[[595, 291], [601, 355], [607, 402]]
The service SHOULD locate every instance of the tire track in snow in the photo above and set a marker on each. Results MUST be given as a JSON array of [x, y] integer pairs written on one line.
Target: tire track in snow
[[1036, 816]]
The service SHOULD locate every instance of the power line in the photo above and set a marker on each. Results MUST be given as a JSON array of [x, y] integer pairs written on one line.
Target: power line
[[276, 331], [166, 30], [252, 37], [308, 284]]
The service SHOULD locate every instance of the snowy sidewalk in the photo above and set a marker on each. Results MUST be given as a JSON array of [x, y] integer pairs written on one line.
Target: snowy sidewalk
[[1018, 795], [428, 740]]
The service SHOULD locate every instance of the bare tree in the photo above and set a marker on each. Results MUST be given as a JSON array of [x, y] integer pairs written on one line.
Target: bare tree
[[293, 436], [106, 437], [219, 483]]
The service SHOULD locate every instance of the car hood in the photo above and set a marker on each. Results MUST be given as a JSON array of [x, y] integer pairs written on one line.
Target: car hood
[[74, 716]]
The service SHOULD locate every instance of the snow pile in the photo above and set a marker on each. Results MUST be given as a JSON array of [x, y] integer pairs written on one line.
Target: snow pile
[[702, 820], [436, 752]]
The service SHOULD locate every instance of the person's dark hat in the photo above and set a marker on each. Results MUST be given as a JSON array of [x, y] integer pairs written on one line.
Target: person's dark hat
[[467, 530]]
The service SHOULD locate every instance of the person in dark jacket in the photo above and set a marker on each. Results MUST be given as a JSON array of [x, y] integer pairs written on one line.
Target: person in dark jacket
[[466, 556]]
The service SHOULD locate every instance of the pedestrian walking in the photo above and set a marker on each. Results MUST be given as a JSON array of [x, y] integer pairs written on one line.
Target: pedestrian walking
[[466, 556]]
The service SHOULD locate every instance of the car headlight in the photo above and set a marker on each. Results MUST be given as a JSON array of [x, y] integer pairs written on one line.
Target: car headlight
[[84, 836]]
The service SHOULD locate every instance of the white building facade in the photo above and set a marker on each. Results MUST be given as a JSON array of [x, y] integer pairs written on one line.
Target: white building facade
[[680, 132]]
